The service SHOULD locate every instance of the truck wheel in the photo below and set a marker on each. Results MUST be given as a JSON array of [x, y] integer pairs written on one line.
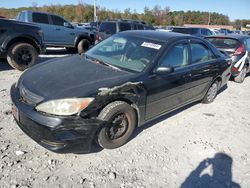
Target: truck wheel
[[241, 77], [83, 46], [22, 56], [121, 118], [211, 93]]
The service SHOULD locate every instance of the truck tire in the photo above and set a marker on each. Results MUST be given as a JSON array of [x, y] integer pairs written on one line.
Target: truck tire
[[83, 46], [22, 56], [122, 121]]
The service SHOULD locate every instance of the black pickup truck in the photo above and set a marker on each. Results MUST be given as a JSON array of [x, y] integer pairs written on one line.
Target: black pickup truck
[[20, 43]]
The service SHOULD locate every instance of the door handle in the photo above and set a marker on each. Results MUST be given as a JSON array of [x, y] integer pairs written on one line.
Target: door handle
[[58, 29]]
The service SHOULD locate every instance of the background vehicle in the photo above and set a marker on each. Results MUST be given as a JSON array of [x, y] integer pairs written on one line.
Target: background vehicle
[[225, 31], [58, 32], [20, 43], [238, 47], [110, 27], [121, 83], [196, 31]]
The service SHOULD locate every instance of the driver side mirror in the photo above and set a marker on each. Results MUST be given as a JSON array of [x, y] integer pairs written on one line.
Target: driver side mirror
[[67, 24], [164, 70]]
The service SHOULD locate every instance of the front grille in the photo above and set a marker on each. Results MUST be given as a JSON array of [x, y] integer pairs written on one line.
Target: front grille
[[28, 96]]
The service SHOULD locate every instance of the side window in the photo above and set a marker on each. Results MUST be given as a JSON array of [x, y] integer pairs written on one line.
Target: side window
[[248, 45], [125, 26], [205, 32], [177, 56], [140, 27], [57, 20], [40, 18], [21, 17], [200, 53]]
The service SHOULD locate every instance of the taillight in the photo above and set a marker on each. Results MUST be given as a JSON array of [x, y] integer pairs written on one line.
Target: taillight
[[240, 50], [235, 70]]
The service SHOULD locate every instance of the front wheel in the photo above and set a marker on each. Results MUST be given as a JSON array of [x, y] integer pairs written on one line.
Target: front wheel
[[211, 93], [242, 75], [121, 118], [22, 56]]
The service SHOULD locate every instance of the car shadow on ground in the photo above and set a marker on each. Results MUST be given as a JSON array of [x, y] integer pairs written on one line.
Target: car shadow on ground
[[212, 173]]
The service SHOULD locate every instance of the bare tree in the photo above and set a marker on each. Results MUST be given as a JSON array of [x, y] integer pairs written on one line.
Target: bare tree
[[80, 10]]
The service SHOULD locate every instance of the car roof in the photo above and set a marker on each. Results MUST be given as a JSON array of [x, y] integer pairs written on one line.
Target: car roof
[[232, 36], [156, 35]]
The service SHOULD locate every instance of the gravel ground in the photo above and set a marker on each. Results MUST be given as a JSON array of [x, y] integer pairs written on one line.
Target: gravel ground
[[197, 146]]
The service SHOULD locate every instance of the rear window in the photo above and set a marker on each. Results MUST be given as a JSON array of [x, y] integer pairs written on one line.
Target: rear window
[[190, 31], [224, 42], [108, 27], [40, 18]]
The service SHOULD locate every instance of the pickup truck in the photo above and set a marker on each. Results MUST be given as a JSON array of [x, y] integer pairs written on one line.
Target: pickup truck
[[20, 43], [58, 32]]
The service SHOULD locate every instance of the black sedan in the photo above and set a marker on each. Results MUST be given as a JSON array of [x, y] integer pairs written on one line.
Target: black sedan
[[238, 47], [121, 83]]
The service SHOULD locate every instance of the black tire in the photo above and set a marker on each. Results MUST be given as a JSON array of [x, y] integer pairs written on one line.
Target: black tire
[[83, 46], [211, 93], [242, 75], [22, 56], [122, 119]]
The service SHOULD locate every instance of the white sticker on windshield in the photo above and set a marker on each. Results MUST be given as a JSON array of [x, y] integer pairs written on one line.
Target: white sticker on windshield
[[151, 45]]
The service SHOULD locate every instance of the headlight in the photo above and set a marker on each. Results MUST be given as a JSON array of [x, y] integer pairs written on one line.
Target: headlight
[[64, 107]]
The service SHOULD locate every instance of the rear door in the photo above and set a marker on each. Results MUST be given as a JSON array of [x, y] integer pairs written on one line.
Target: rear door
[[204, 67], [168, 91], [43, 21]]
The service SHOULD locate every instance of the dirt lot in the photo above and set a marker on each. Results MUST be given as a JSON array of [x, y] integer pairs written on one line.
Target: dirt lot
[[197, 146]]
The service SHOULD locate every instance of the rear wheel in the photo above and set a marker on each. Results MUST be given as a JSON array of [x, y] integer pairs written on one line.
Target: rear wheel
[[121, 118], [83, 46], [22, 56], [242, 75], [211, 93]]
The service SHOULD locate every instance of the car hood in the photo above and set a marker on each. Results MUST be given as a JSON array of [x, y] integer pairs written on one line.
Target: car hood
[[71, 77]]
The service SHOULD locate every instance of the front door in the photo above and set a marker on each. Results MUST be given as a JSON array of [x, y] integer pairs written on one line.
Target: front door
[[166, 92], [62, 35]]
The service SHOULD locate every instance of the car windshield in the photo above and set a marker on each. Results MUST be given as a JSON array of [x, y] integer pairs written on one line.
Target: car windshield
[[128, 53], [220, 42]]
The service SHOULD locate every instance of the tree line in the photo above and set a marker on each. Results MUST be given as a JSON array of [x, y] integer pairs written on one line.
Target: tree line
[[155, 16]]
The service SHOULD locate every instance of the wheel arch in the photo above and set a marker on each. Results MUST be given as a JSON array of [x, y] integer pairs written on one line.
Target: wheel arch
[[24, 39], [79, 38]]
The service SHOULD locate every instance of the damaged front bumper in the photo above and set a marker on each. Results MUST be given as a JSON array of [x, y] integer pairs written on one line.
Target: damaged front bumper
[[59, 134]]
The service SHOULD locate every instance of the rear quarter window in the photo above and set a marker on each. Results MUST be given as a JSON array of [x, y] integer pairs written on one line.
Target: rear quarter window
[[224, 42], [40, 18]]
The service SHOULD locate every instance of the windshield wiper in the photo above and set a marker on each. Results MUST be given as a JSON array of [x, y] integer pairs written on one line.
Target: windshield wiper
[[96, 60]]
